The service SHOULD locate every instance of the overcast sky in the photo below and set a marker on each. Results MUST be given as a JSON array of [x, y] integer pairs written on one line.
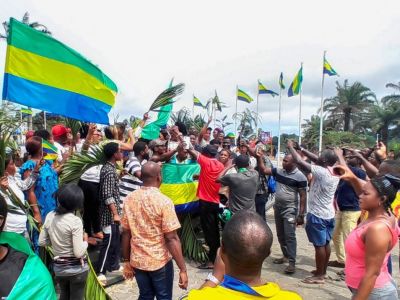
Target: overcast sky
[[215, 45]]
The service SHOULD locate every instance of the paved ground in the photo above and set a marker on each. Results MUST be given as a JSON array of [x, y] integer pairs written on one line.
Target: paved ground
[[332, 289]]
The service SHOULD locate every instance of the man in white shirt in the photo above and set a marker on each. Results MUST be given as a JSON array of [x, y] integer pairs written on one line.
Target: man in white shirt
[[321, 213]]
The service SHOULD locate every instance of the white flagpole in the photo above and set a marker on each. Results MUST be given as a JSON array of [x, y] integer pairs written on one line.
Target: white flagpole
[[321, 113], [45, 120], [236, 110], [301, 85], [258, 93], [279, 126]]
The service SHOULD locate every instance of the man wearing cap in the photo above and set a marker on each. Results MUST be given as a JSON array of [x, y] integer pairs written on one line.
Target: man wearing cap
[[242, 185], [158, 147], [207, 193], [60, 135]]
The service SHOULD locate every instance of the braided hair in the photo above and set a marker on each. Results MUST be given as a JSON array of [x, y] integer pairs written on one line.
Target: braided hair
[[387, 187]]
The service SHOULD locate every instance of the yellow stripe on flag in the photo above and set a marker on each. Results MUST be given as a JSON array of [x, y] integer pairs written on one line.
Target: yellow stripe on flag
[[180, 193]]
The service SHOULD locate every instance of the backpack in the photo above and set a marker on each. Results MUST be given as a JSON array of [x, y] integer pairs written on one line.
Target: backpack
[[271, 184]]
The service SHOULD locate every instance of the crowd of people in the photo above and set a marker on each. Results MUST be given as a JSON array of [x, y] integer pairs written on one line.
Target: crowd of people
[[342, 194]]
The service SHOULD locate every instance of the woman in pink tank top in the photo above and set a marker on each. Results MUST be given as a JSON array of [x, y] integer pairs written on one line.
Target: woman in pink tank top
[[369, 245]]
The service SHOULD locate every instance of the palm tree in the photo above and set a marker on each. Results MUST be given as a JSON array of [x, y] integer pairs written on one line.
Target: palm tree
[[384, 116], [222, 123], [349, 105], [247, 122], [392, 97], [311, 131]]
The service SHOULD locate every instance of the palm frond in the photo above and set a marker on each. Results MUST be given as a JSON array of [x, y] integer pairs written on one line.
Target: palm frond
[[166, 96], [74, 125], [80, 163], [191, 246]]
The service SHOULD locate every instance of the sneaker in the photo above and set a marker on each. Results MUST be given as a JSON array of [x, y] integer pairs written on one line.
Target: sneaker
[[102, 279], [279, 261], [290, 269]]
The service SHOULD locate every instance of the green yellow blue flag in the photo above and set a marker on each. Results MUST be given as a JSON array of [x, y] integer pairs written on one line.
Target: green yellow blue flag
[[43, 73], [26, 112], [281, 85], [263, 90], [49, 150], [178, 184], [328, 69], [196, 102], [243, 96], [295, 87], [152, 130]]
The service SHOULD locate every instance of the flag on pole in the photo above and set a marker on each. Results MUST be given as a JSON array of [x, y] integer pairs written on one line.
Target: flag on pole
[[281, 85], [263, 90], [328, 69], [43, 73], [26, 112], [151, 131], [49, 150], [179, 186], [295, 87], [243, 96], [196, 102]]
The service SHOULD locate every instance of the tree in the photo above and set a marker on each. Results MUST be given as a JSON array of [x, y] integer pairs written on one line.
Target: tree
[[311, 131], [383, 117], [247, 122], [222, 123], [350, 105]]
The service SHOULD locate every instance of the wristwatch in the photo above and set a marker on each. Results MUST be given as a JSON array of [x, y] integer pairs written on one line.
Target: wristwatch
[[212, 278]]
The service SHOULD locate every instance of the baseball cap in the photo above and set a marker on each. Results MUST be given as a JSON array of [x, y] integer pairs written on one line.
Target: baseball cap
[[230, 135], [59, 130], [156, 142]]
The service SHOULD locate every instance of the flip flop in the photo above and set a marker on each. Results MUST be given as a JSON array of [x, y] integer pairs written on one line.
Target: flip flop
[[205, 267], [313, 280]]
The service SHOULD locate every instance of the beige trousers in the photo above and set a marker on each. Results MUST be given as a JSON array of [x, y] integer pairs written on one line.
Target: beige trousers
[[345, 222]]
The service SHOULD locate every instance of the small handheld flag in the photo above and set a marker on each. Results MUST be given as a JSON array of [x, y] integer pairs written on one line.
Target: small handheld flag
[[26, 112], [263, 90], [295, 87], [281, 85], [196, 102], [328, 69], [243, 96], [49, 150]]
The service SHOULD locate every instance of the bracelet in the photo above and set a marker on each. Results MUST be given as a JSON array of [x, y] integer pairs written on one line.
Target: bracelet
[[212, 278], [125, 259]]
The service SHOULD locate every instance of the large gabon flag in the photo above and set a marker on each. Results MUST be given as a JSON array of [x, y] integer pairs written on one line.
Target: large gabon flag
[[43, 73]]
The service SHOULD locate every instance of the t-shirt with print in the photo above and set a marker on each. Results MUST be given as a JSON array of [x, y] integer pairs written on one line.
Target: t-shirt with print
[[288, 186], [242, 189], [211, 168], [322, 192], [148, 215]]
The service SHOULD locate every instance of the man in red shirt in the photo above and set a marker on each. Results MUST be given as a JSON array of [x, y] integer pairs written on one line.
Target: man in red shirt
[[208, 195]]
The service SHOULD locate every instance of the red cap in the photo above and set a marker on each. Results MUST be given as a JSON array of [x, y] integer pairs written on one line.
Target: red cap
[[59, 130], [29, 134]]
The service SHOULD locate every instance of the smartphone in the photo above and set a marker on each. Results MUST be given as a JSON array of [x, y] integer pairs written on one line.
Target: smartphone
[[186, 140]]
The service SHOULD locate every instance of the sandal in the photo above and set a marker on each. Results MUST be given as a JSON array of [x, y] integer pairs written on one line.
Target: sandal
[[205, 266]]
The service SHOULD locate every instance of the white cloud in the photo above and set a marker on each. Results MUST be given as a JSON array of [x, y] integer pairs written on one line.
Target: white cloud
[[218, 44]]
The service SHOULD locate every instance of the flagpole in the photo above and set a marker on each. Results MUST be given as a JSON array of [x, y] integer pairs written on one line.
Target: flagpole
[[193, 108], [279, 126], [258, 93], [321, 114], [301, 87], [45, 120], [236, 109]]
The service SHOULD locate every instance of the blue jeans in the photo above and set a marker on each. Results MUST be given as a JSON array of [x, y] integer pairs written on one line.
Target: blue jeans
[[155, 283], [387, 292]]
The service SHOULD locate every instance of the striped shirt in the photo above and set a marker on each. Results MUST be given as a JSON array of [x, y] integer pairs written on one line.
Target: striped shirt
[[130, 182]]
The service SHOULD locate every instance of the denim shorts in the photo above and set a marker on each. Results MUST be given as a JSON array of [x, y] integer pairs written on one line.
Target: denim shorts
[[387, 292], [319, 231]]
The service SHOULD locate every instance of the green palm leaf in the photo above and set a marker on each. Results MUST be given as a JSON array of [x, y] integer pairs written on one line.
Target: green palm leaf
[[93, 288], [80, 163], [74, 125], [166, 96], [191, 246]]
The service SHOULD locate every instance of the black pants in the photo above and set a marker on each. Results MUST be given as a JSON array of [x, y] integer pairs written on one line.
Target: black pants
[[261, 200], [209, 224], [72, 287], [109, 256], [91, 206], [285, 221]]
